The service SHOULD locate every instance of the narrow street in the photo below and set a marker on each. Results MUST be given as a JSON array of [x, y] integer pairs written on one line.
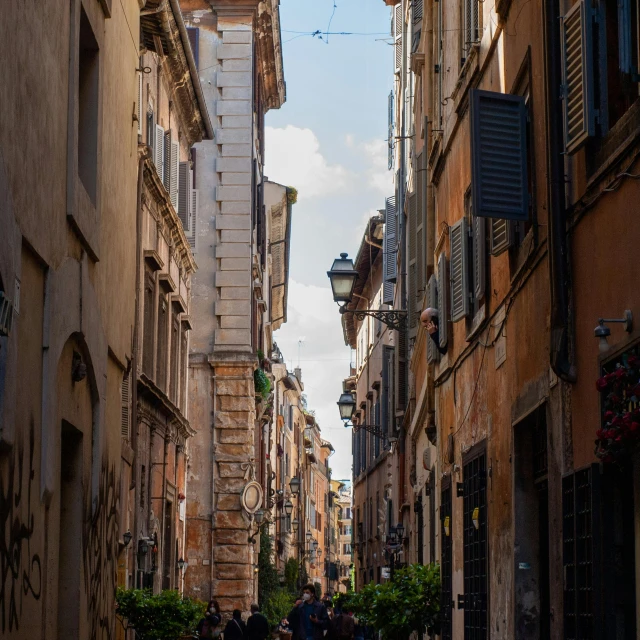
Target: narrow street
[[319, 320]]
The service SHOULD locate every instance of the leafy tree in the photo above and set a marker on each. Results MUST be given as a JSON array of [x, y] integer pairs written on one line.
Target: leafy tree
[[291, 573], [268, 582], [164, 616], [278, 606], [318, 587]]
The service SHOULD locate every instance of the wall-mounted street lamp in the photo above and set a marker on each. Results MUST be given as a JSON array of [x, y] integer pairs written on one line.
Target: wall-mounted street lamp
[[295, 524], [343, 278], [126, 538], [294, 484], [315, 545], [347, 407], [309, 535], [182, 564], [288, 507], [602, 332]]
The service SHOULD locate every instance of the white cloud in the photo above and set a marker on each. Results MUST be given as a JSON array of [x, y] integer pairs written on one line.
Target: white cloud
[[294, 159], [378, 174]]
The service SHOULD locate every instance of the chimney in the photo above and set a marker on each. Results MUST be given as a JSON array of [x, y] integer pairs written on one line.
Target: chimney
[[298, 372]]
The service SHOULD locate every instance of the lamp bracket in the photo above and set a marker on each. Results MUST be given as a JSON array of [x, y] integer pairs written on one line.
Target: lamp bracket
[[393, 318], [627, 320], [373, 429]]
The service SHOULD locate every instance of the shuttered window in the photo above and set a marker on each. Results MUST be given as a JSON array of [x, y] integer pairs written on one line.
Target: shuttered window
[[390, 131], [148, 324], [418, 10], [459, 270], [443, 301], [158, 150], [389, 245], [192, 237], [499, 155], [577, 75], [174, 365], [479, 258], [184, 195], [139, 111], [163, 339], [174, 179], [413, 267], [501, 235], [470, 26], [194, 41], [166, 173], [125, 423], [432, 301], [151, 131], [421, 229], [397, 36]]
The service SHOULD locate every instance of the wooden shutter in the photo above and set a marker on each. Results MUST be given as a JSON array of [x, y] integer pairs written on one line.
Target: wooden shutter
[[159, 151], [413, 249], [125, 423], [139, 112], [432, 297], [385, 414], [151, 132], [397, 36], [421, 227], [499, 155], [389, 245], [577, 75], [443, 299], [167, 162], [173, 174], [418, 10], [458, 239], [390, 130], [184, 195], [193, 232], [194, 41], [500, 235], [479, 257], [625, 37]]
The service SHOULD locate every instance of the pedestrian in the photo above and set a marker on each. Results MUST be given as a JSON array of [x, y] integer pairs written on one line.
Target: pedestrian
[[236, 629], [209, 626], [328, 606], [257, 625], [292, 621], [358, 629], [309, 619], [341, 627]]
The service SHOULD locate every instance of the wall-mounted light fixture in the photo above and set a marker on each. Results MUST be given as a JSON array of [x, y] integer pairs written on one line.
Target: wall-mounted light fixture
[[294, 483], [602, 332], [126, 538]]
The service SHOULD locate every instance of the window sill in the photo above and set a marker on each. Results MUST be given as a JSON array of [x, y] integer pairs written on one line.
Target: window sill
[[467, 73]]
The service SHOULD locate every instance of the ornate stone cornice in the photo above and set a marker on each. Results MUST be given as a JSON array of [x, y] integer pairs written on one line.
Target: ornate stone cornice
[[169, 217]]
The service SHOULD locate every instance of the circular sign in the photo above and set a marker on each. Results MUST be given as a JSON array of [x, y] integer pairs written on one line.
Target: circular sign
[[252, 497]]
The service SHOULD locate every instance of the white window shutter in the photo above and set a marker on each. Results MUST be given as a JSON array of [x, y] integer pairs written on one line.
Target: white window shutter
[[577, 75], [140, 103], [479, 257], [501, 235], [459, 275], [125, 422], [397, 36], [159, 151], [184, 194], [173, 177], [421, 189], [193, 231], [413, 267], [390, 242], [443, 301], [166, 173]]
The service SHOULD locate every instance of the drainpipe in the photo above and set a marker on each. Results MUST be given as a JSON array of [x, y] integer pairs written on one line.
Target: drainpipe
[[143, 151], [558, 249]]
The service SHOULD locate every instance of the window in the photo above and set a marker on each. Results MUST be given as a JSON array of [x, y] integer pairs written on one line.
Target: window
[[346, 548], [600, 67], [88, 103], [471, 26], [389, 250], [175, 354], [387, 410], [163, 339], [439, 69], [397, 26], [347, 513], [148, 323], [376, 421], [475, 547], [125, 426]]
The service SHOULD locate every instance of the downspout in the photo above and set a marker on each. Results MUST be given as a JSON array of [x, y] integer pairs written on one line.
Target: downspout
[[143, 151], [558, 250]]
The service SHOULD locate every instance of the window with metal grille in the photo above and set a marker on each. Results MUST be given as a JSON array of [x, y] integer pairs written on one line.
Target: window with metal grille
[[475, 547], [471, 26], [580, 536], [446, 556]]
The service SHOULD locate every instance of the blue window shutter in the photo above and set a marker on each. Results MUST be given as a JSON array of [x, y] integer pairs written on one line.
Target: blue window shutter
[[577, 75], [442, 300], [501, 235], [625, 39], [389, 245], [390, 131], [479, 257], [194, 41], [499, 155], [459, 270]]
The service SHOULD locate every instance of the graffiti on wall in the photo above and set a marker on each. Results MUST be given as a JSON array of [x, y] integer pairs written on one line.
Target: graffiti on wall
[[20, 567], [100, 555]]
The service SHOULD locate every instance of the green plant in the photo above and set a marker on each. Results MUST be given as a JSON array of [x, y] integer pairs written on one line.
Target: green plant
[[268, 582], [277, 607], [318, 587], [291, 574], [164, 616], [261, 383], [292, 195], [260, 354]]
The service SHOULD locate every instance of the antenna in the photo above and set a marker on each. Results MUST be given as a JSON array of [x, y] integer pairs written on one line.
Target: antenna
[[301, 340]]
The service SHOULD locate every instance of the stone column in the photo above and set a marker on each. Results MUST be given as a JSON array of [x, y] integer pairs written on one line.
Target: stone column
[[234, 418]]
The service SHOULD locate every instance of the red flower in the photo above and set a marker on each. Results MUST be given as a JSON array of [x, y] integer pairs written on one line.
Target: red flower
[[601, 384], [632, 361], [608, 416], [621, 372], [614, 399], [634, 426], [611, 434], [600, 434]]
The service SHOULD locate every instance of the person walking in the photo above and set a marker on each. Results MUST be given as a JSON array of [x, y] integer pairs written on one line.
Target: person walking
[[341, 626], [292, 621], [309, 620], [209, 626], [257, 625], [236, 629]]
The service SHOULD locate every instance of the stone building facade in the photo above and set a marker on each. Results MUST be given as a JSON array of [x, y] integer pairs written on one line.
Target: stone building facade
[[528, 523], [172, 118], [345, 535], [242, 75], [68, 172]]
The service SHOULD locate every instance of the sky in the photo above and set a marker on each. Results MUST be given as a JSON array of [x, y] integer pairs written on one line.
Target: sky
[[329, 142]]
